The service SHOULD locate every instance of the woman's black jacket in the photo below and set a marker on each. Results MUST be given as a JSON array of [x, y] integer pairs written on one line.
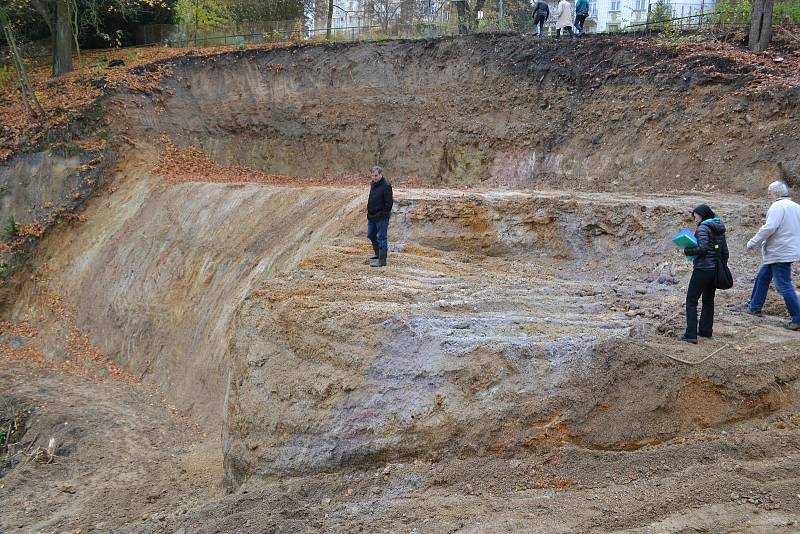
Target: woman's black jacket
[[711, 242]]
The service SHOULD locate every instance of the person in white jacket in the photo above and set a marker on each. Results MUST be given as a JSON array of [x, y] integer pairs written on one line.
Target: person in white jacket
[[779, 239], [564, 18]]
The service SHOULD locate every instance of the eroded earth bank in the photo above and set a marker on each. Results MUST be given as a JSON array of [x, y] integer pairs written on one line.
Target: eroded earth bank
[[208, 350]]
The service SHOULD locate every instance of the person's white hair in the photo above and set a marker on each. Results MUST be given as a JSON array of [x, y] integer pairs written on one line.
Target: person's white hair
[[779, 189]]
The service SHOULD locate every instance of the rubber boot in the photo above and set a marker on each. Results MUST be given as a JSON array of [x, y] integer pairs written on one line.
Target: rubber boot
[[376, 255], [381, 261]]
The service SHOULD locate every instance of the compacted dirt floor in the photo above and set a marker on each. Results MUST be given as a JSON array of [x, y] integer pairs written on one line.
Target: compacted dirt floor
[[121, 455]]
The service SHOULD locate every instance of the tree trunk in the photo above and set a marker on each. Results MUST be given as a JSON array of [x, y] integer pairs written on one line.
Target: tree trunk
[[330, 19], [468, 15], [409, 10], [73, 20], [761, 25], [320, 16], [28, 94], [463, 22], [62, 40]]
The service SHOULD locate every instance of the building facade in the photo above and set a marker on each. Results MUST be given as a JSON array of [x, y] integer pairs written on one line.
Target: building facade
[[382, 15], [604, 15], [613, 15]]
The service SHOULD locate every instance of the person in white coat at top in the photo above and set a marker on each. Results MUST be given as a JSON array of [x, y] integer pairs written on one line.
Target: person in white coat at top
[[564, 18], [779, 240]]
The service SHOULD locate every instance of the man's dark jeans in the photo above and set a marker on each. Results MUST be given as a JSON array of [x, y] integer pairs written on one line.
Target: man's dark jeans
[[378, 233], [703, 282], [782, 272], [539, 20], [579, 20]]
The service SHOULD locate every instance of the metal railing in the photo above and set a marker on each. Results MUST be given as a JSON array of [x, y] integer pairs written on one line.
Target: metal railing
[[709, 20], [291, 31]]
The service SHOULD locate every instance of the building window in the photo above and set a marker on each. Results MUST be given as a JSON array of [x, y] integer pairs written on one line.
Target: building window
[[612, 27], [426, 8], [614, 5], [640, 5], [593, 8]]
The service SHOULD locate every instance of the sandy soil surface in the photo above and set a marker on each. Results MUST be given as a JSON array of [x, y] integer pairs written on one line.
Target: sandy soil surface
[[121, 454]]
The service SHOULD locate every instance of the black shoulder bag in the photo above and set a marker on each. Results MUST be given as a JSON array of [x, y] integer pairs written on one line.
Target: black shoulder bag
[[724, 278]]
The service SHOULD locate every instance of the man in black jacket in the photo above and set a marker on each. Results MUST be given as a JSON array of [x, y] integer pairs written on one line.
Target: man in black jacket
[[379, 207], [541, 12]]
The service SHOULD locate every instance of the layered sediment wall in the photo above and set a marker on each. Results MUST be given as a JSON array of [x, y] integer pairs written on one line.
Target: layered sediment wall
[[498, 324], [610, 115]]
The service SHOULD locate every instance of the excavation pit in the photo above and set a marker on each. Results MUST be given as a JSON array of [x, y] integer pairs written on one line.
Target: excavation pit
[[513, 365]]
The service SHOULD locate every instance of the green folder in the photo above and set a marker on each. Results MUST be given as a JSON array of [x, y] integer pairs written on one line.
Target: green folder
[[685, 239]]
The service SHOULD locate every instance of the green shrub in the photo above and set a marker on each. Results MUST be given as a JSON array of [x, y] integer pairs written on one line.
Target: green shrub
[[785, 12], [733, 11], [740, 12], [660, 16], [10, 228], [8, 77]]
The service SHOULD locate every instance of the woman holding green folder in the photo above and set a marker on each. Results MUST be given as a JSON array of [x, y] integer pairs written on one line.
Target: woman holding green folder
[[711, 242]]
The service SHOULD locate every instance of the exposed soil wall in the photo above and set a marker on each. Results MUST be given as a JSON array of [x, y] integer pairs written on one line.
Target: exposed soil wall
[[246, 303], [599, 115], [46, 186], [500, 325], [158, 282]]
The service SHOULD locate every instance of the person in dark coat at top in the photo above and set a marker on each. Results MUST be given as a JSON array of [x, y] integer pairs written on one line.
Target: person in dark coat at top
[[711, 243], [379, 208], [581, 14], [541, 12]]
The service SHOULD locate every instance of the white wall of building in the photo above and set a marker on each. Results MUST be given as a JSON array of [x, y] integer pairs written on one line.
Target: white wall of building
[[605, 15], [613, 15], [348, 14]]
